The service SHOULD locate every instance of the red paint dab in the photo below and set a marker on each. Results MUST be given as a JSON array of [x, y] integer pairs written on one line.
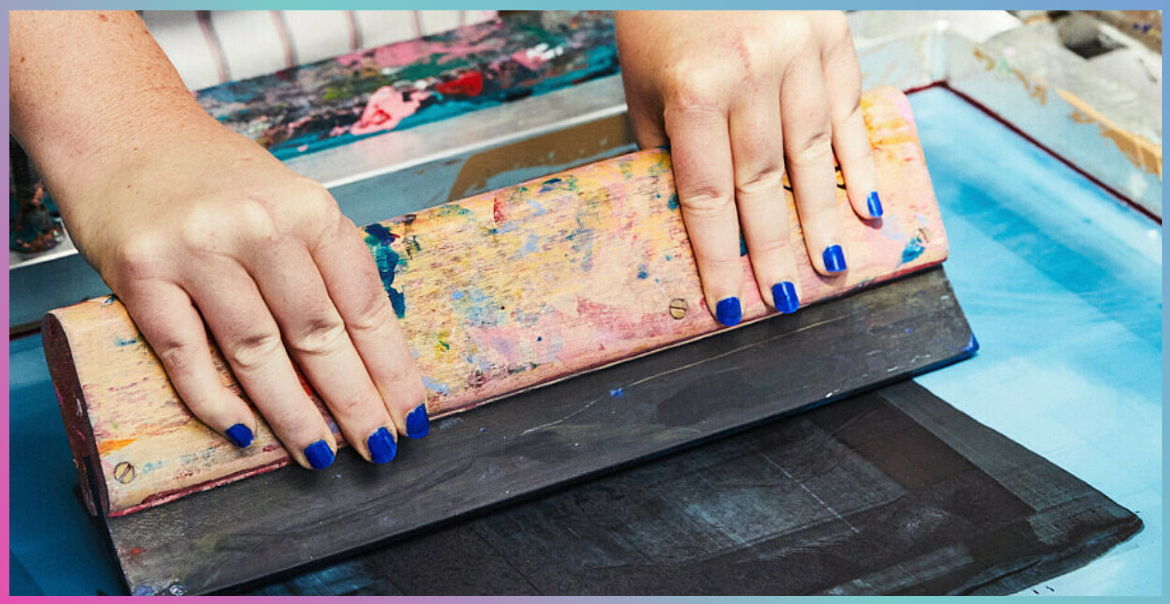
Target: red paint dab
[[470, 84], [498, 210]]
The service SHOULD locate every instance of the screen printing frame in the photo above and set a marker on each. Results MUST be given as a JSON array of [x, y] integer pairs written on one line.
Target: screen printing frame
[[1081, 120]]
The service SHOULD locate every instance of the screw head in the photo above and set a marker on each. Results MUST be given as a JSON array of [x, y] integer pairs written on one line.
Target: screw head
[[678, 308], [124, 472]]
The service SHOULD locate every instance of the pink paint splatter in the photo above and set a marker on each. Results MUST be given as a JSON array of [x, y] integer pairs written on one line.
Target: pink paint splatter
[[386, 108], [407, 53]]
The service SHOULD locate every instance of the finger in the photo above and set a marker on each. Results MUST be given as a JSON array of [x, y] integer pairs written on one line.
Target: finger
[[315, 334], [358, 288], [758, 152], [173, 328], [842, 76], [809, 157], [250, 340], [701, 156]]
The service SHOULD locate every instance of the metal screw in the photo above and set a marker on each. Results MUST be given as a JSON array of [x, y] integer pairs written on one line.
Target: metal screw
[[678, 308], [124, 472]]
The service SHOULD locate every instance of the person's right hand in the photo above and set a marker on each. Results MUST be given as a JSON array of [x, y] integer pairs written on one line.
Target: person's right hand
[[208, 222]]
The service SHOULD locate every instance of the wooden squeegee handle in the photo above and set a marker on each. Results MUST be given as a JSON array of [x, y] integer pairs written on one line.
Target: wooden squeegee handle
[[497, 293]]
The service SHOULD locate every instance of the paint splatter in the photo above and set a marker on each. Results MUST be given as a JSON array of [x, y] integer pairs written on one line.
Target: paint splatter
[[672, 203], [913, 249], [642, 274], [469, 84], [434, 386], [386, 108], [316, 106], [617, 392], [387, 260]]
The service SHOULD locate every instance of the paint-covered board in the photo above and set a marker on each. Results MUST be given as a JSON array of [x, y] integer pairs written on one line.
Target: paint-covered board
[[497, 293], [343, 99]]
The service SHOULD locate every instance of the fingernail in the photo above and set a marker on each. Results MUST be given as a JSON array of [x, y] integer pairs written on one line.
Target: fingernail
[[240, 435], [417, 423], [319, 455], [728, 312], [834, 259], [875, 204], [785, 298], [382, 446]]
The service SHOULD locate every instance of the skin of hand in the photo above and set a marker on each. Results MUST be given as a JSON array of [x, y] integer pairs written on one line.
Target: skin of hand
[[190, 223], [742, 98]]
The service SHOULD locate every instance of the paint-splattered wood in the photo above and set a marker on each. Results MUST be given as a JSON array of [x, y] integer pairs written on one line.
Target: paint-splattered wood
[[497, 293]]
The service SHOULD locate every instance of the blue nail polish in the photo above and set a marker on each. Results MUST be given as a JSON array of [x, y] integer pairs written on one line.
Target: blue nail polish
[[417, 423], [240, 435], [319, 455], [382, 446], [875, 204], [728, 312], [834, 259], [785, 298]]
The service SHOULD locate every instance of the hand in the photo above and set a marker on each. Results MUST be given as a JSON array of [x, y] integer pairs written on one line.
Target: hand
[[741, 97], [183, 217], [210, 223]]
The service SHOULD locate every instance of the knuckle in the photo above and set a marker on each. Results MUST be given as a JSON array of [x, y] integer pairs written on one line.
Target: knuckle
[[317, 211], [816, 148], [691, 91], [350, 405], [321, 336], [254, 222], [137, 259], [706, 200], [252, 350], [761, 180], [835, 27], [799, 34], [374, 318], [768, 248], [178, 357]]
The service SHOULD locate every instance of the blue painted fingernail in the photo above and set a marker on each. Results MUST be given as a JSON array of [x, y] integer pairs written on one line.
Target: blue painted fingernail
[[834, 259], [785, 298], [417, 423], [240, 435], [728, 312], [382, 446], [875, 204], [319, 455]]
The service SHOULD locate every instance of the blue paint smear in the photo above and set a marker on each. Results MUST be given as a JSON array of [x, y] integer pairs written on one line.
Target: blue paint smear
[[913, 250], [617, 392], [672, 203], [529, 245], [387, 260], [642, 274], [120, 341], [434, 386], [743, 246]]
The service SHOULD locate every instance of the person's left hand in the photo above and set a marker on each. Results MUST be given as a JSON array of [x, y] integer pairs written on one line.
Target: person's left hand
[[740, 97]]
